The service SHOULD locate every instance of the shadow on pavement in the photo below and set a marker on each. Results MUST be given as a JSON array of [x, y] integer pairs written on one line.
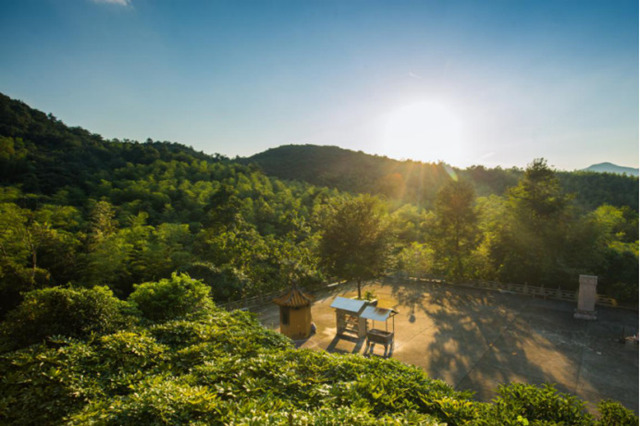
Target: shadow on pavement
[[359, 342]]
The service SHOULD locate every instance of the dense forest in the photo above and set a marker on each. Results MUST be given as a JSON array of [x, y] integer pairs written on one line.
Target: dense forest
[[114, 253], [418, 183], [77, 209]]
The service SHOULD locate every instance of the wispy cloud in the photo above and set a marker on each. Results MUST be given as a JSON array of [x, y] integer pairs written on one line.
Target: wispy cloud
[[487, 155], [116, 2]]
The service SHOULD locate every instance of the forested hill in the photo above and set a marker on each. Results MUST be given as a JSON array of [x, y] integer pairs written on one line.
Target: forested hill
[[418, 182], [43, 155], [352, 171], [111, 253], [76, 209]]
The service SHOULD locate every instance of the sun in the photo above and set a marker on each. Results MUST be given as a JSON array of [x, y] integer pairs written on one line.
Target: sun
[[427, 131]]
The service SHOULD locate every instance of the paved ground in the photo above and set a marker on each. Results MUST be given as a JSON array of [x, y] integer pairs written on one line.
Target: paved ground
[[476, 339]]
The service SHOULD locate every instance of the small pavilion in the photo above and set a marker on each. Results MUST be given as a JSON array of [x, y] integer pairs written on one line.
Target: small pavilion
[[348, 316], [376, 335], [295, 313]]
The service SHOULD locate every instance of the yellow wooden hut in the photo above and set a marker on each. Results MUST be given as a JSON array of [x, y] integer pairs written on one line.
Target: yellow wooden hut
[[295, 313]]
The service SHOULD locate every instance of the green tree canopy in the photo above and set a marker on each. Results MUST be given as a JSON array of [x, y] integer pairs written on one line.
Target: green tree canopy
[[538, 194], [539, 231], [171, 298], [456, 230], [356, 240], [63, 311]]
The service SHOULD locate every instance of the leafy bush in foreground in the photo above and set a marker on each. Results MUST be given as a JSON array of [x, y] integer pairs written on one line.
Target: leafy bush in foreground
[[540, 404], [72, 312], [171, 298], [613, 413], [224, 368]]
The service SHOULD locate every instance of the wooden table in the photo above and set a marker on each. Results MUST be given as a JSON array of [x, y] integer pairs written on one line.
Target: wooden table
[[380, 336]]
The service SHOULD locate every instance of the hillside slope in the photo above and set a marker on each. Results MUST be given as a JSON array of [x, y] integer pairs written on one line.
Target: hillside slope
[[77, 209], [42, 154], [357, 172], [418, 183]]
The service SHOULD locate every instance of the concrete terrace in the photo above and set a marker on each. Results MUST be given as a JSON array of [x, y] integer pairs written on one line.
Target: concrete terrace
[[477, 339]]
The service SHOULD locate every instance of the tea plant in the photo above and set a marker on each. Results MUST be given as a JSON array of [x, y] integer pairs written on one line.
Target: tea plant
[[209, 366]]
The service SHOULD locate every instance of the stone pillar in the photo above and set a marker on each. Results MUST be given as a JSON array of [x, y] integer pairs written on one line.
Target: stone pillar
[[340, 321], [587, 298], [362, 327]]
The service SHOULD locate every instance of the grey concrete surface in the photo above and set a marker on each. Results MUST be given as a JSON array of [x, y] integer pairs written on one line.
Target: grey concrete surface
[[477, 339]]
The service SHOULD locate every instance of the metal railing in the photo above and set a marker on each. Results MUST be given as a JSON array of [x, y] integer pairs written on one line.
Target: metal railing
[[525, 289], [254, 302]]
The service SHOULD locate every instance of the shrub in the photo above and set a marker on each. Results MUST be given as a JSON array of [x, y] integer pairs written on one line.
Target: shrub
[[224, 368], [155, 401], [72, 312], [518, 402], [124, 359], [129, 351], [177, 297], [614, 414], [40, 385]]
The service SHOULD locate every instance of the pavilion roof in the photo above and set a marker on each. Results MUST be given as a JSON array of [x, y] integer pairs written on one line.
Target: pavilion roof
[[349, 305], [295, 298], [377, 314]]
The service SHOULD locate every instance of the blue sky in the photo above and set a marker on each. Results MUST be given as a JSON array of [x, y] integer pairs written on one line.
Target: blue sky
[[493, 83]]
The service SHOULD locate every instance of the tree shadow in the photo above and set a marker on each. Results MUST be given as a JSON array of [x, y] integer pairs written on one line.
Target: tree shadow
[[480, 339], [484, 341], [357, 341], [369, 350], [477, 339]]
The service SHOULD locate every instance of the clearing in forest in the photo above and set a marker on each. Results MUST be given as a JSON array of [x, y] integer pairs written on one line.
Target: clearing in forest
[[477, 339]]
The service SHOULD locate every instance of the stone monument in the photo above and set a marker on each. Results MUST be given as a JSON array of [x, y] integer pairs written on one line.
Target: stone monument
[[587, 298]]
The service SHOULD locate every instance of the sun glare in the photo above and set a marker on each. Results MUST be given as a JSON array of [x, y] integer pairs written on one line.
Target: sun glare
[[427, 131]]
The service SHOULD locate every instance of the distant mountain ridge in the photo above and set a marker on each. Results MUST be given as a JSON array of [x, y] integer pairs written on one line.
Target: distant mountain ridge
[[358, 172], [44, 156], [418, 183], [611, 168]]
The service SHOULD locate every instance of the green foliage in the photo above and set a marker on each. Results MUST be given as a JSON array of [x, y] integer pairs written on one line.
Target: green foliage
[[77, 209], [116, 213], [356, 240], [595, 189], [156, 401], [455, 232], [356, 172], [612, 413], [418, 183], [538, 194], [129, 350], [416, 259], [518, 402], [226, 282], [224, 368], [36, 248], [140, 212], [177, 297], [72, 312], [41, 385], [535, 244], [369, 295], [138, 375]]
